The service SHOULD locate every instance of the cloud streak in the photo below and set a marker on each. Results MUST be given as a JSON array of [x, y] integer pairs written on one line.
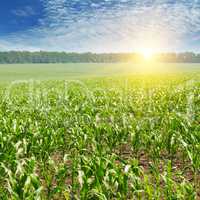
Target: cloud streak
[[111, 25], [24, 12]]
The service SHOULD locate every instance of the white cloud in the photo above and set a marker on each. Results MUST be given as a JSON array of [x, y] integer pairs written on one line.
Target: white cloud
[[24, 12], [112, 25]]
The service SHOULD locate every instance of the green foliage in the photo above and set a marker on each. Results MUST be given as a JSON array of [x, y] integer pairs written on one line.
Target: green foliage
[[107, 138], [63, 57]]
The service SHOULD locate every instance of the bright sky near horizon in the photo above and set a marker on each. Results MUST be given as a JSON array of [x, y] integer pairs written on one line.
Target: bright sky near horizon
[[100, 25]]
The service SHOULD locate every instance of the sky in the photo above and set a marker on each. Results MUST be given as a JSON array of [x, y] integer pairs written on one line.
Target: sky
[[100, 25]]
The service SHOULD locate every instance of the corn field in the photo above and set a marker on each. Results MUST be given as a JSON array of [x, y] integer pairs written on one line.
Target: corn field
[[133, 137]]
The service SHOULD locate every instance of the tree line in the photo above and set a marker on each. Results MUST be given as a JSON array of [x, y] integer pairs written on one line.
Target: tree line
[[63, 57]]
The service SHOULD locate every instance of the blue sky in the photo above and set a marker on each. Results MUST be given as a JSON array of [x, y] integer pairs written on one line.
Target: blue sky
[[100, 25]]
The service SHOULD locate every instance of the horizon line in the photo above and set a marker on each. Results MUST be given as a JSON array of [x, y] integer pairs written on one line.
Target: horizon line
[[108, 52]]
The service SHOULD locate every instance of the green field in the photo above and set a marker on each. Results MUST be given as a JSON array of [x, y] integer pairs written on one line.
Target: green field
[[113, 132], [75, 71]]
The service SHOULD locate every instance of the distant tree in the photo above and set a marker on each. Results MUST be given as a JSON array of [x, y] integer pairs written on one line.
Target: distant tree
[[63, 57]]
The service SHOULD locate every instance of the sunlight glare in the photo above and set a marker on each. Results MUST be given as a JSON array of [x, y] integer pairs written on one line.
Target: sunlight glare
[[147, 53]]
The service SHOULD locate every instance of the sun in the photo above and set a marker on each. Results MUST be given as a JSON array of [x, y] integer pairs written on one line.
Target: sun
[[147, 53]]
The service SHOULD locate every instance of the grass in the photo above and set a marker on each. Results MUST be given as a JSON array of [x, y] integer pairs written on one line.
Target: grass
[[14, 72], [113, 137]]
